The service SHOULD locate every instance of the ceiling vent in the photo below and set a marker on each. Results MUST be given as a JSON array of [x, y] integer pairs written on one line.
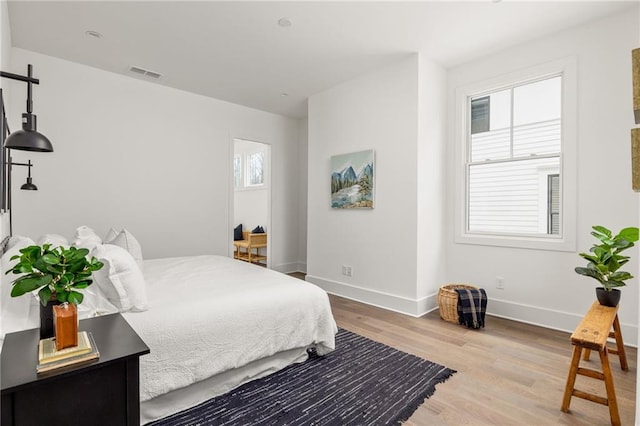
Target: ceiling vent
[[145, 72]]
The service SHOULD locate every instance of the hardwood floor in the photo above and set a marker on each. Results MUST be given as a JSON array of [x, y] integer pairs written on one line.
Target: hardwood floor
[[508, 373]]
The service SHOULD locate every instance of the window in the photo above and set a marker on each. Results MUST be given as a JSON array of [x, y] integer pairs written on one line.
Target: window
[[237, 171], [514, 133], [249, 170], [517, 159], [255, 169]]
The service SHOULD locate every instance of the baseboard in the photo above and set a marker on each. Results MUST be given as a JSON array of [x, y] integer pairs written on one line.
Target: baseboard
[[534, 315], [548, 318], [392, 302], [287, 268]]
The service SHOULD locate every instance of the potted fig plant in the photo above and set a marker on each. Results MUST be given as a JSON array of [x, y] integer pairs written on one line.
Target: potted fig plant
[[605, 261], [57, 273]]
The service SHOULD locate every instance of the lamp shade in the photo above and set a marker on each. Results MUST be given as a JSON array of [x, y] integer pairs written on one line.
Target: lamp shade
[[28, 139], [29, 186]]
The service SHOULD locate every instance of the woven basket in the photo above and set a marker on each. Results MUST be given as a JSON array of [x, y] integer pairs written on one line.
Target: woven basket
[[448, 301]]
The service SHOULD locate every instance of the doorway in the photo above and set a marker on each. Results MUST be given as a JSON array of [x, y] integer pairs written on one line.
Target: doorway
[[251, 201]]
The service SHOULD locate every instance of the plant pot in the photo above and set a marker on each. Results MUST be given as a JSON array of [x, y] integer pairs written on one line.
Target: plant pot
[[608, 298], [46, 319]]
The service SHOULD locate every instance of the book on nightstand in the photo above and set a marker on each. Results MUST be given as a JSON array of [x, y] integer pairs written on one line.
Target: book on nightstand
[[51, 359]]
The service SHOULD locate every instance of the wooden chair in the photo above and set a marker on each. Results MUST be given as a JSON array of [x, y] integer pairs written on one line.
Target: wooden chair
[[248, 249], [592, 334]]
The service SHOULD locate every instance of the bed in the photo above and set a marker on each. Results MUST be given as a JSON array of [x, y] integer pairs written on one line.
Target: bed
[[233, 323], [212, 323]]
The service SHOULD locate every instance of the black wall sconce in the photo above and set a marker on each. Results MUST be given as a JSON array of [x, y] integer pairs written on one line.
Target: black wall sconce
[[27, 139]]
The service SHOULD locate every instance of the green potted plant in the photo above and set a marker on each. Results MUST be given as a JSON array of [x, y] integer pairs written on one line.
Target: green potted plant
[[57, 273], [605, 261]]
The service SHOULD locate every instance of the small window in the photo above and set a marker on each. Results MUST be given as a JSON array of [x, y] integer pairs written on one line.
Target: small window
[[255, 169], [237, 171]]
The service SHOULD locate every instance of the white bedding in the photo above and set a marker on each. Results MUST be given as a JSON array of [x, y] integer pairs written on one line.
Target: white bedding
[[210, 314]]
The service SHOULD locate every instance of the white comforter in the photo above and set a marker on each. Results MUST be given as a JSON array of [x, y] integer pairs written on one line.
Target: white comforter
[[209, 314]]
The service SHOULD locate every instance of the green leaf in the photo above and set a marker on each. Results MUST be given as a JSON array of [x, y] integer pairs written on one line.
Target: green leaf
[[590, 258], [82, 284], [96, 265], [24, 269], [62, 296], [621, 276], [77, 265], [602, 230], [629, 234], [41, 265], [75, 297], [45, 295], [593, 273], [29, 283], [79, 254], [51, 259], [66, 278]]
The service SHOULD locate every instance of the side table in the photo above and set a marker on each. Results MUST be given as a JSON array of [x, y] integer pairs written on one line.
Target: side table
[[103, 392]]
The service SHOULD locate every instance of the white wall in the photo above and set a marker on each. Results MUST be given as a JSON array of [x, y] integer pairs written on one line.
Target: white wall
[[541, 286], [431, 196], [303, 161], [379, 111], [156, 160], [5, 39], [5, 65]]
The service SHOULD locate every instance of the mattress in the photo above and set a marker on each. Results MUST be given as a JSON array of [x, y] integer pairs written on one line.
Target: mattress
[[210, 314]]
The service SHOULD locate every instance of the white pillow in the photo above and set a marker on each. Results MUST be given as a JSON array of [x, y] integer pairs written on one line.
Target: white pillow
[[95, 303], [86, 238], [127, 241], [120, 280], [17, 312], [54, 239], [20, 241], [111, 235], [12, 250]]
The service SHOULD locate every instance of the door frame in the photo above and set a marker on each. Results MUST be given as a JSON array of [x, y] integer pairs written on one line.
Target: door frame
[[269, 183]]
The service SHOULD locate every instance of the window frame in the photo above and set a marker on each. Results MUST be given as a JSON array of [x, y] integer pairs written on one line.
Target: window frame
[[245, 172], [568, 157]]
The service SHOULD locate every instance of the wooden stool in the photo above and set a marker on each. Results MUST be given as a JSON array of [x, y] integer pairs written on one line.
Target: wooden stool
[[592, 334]]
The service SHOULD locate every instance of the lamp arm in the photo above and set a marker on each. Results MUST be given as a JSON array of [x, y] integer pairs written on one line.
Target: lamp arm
[[12, 76], [11, 163]]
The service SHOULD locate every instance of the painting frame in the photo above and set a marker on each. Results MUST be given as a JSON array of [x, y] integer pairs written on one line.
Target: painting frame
[[352, 180], [635, 159], [635, 70]]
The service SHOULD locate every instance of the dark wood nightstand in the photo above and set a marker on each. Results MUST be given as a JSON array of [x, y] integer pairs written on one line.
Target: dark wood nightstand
[[105, 392]]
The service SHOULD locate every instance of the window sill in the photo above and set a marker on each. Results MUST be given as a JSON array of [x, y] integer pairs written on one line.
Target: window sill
[[523, 242], [251, 188]]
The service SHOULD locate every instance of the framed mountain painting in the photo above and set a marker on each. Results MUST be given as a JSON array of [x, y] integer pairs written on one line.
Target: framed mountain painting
[[352, 180]]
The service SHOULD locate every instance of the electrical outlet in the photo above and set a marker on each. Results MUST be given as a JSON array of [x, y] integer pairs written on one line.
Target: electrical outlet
[[500, 283], [347, 270]]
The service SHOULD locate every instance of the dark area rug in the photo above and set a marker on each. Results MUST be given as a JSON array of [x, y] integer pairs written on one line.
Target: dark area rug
[[362, 382]]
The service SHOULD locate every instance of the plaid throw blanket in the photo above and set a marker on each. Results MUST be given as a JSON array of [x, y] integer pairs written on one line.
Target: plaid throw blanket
[[472, 305]]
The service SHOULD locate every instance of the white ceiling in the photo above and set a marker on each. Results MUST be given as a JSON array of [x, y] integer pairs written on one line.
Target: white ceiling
[[236, 51]]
